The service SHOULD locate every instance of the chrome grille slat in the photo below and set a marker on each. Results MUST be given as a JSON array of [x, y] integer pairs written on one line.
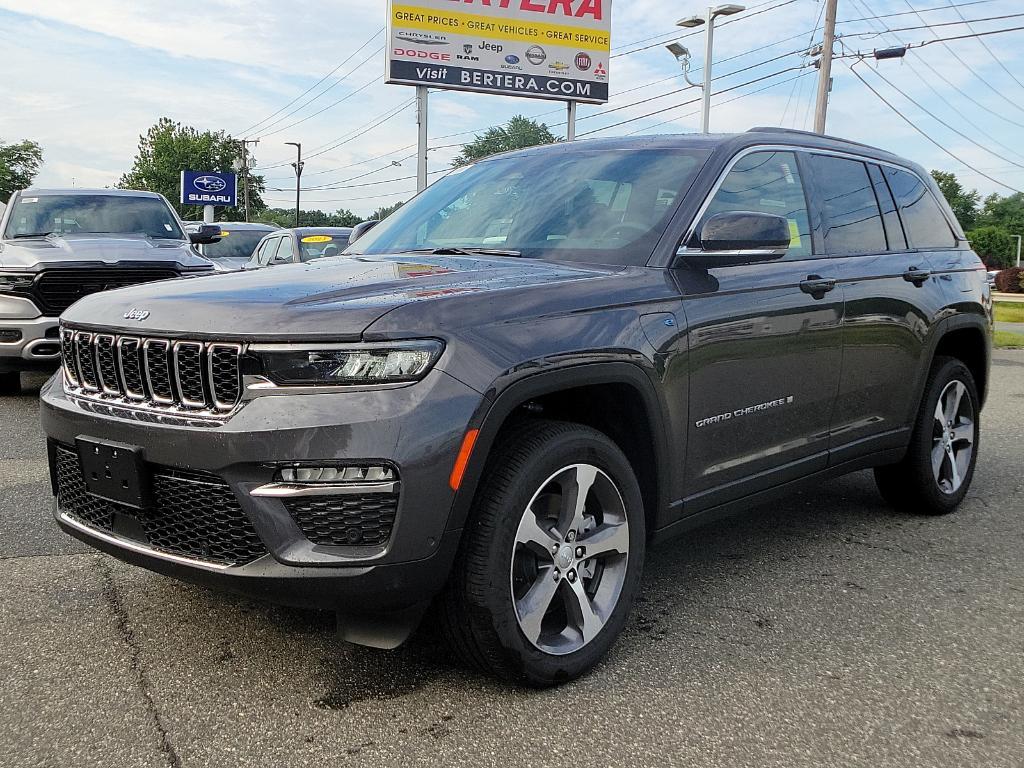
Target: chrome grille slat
[[162, 377]]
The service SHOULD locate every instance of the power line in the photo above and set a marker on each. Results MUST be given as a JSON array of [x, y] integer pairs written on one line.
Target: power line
[[314, 86], [911, 123], [984, 45], [332, 105], [932, 26]]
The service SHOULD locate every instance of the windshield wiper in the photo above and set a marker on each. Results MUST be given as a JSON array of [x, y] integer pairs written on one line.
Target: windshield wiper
[[459, 250], [30, 234]]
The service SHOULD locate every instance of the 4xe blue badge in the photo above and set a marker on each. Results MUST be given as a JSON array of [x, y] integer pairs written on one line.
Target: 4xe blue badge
[[208, 188]]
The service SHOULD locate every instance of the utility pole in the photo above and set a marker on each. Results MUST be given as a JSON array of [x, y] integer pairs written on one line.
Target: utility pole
[[570, 121], [421, 123], [825, 66], [297, 165]]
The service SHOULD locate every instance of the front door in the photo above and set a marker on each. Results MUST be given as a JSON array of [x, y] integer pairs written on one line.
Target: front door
[[764, 347]]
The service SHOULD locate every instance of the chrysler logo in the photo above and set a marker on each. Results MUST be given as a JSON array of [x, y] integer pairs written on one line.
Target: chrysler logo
[[136, 314], [209, 184]]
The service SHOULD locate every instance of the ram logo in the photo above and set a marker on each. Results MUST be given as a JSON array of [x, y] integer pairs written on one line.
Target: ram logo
[[136, 314], [209, 184]]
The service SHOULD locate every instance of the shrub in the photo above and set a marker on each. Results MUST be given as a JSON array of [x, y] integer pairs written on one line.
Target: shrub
[[1010, 280]]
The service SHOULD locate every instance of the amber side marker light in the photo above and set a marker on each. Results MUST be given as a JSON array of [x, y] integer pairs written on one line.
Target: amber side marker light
[[463, 459]]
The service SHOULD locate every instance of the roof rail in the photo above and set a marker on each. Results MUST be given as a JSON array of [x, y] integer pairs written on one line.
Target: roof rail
[[774, 129]]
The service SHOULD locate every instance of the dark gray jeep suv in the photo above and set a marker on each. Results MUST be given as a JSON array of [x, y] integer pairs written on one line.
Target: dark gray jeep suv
[[500, 395]]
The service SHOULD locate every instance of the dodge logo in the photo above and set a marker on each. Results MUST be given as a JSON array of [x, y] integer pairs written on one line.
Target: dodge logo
[[209, 184], [136, 314]]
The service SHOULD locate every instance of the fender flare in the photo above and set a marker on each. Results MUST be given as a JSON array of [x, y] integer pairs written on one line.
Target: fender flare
[[501, 401], [939, 331]]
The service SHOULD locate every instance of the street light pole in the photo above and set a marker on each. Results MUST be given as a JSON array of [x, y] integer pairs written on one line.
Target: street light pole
[[695, 21], [1018, 248], [297, 165]]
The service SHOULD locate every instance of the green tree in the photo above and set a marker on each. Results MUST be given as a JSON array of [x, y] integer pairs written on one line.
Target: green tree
[[19, 164], [168, 148], [285, 217], [1005, 212], [996, 246], [384, 211], [963, 203], [517, 133]]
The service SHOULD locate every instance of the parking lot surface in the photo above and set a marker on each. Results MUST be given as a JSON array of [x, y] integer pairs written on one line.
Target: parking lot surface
[[826, 630]]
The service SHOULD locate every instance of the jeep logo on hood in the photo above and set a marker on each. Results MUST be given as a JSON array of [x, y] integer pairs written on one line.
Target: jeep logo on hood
[[209, 184], [136, 314]]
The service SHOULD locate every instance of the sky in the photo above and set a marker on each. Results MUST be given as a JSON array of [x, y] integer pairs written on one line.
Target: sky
[[86, 79]]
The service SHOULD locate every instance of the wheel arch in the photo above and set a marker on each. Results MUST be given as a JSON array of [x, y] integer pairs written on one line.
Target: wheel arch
[[565, 394], [967, 337]]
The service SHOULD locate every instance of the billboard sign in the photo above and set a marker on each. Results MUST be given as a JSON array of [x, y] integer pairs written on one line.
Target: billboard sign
[[209, 188], [545, 49]]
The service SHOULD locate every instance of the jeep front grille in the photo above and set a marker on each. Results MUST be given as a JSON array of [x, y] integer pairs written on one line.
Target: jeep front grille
[[196, 379]]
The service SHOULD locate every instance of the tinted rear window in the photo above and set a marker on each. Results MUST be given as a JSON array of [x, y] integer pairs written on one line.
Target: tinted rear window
[[923, 221], [853, 220]]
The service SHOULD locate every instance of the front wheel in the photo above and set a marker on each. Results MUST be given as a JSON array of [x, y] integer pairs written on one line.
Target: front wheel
[[552, 558], [936, 473]]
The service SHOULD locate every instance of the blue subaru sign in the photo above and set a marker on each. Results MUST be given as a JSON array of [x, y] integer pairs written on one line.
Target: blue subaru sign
[[209, 188]]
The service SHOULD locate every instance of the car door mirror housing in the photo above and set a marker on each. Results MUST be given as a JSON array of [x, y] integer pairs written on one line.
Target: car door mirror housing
[[204, 234], [361, 229], [739, 237]]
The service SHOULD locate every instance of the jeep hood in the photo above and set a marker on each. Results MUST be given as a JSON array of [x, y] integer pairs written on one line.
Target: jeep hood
[[333, 298], [96, 249]]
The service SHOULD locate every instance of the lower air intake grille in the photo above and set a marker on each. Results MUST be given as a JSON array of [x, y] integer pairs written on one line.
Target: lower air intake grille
[[196, 515], [346, 521]]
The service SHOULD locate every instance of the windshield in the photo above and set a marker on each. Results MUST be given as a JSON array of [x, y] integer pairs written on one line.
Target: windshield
[[237, 244], [92, 214], [600, 206]]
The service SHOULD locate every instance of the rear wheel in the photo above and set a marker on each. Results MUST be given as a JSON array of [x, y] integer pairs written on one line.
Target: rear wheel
[[936, 473], [552, 556], [10, 383]]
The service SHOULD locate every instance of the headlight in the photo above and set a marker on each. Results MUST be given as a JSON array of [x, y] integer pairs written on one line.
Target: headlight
[[383, 363], [16, 283]]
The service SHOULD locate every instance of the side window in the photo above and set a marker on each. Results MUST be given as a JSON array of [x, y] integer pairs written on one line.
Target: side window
[[853, 222], [285, 252], [923, 221], [891, 220], [269, 250], [768, 182]]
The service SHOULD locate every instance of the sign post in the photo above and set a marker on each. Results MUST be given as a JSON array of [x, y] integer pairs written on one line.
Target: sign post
[[210, 189], [542, 49]]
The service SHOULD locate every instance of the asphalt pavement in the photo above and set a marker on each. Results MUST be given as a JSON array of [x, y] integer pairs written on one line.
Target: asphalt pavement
[[826, 630]]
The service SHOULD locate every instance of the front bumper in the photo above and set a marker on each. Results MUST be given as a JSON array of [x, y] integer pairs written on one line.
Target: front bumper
[[38, 347], [416, 428]]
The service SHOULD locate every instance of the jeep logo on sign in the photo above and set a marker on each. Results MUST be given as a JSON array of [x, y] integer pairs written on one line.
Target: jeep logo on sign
[[136, 314], [209, 184]]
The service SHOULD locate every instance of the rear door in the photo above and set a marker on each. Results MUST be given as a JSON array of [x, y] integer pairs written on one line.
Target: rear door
[[891, 298], [764, 345]]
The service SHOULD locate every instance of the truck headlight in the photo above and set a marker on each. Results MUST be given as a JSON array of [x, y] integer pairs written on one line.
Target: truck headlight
[[13, 282], [327, 364]]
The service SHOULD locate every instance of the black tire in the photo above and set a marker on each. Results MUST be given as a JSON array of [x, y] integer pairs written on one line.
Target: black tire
[[477, 610], [911, 484], [10, 383]]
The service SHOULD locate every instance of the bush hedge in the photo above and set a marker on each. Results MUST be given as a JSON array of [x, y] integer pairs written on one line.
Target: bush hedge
[[1010, 280]]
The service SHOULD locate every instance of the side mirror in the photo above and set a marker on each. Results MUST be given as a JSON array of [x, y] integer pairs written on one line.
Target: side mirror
[[203, 234], [739, 237], [361, 229]]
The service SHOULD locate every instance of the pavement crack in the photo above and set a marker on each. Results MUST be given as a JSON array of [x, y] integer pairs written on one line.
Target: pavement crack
[[138, 666]]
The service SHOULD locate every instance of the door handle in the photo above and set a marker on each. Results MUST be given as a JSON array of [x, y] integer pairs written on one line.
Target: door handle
[[917, 276], [817, 286]]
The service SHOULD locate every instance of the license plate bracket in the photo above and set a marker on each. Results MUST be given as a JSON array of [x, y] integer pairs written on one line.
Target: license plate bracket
[[114, 472]]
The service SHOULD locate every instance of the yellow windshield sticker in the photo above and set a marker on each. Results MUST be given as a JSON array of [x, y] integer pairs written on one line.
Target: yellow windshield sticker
[[794, 231], [225, 234], [317, 239]]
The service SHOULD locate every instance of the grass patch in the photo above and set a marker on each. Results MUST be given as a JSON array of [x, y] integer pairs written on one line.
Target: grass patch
[[1007, 312], [1009, 340]]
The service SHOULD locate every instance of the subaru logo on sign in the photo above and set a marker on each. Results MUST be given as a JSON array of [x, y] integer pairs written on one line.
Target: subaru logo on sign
[[209, 184], [511, 59]]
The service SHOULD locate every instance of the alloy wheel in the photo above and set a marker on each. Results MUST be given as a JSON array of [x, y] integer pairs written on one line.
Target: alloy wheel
[[952, 437], [569, 559]]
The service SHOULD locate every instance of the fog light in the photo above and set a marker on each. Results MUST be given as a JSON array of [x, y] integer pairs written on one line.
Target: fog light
[[10, 336], [369, 474]]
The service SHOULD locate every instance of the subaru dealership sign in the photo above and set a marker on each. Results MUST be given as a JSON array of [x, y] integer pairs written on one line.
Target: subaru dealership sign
[[209, 188], [546, 49]]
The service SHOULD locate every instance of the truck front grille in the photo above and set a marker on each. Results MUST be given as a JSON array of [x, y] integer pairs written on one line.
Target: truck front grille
[[187, 378], [57, 289]]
